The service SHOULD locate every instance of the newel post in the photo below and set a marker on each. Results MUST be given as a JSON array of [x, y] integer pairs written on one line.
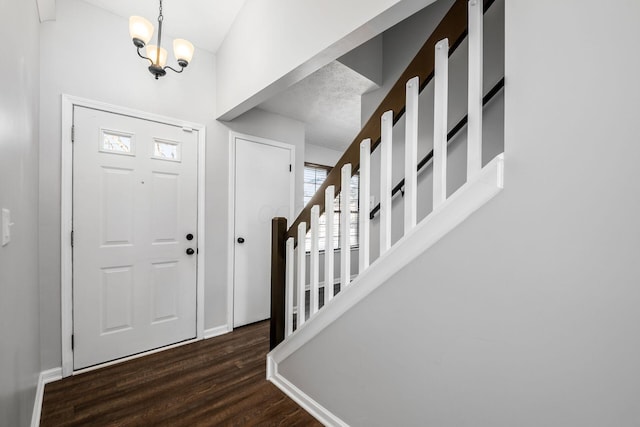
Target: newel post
[[278, 232]]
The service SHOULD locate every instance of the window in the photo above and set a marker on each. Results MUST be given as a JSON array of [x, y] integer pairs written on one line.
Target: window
[[314, 176]]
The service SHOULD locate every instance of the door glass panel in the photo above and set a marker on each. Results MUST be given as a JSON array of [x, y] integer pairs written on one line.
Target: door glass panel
[[117, 142], [166, 150]]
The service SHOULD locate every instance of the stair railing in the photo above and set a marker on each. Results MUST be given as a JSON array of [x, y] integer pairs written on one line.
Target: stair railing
[[430, 63], [399, 188]]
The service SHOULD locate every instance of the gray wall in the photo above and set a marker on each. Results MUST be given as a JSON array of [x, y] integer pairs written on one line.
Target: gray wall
[[527, 313], [400, 44], [353, 266], [19, 328], [366, 59]]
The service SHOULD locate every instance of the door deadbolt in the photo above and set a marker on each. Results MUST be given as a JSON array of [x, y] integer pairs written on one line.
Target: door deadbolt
[[240, 239], [189, 236]]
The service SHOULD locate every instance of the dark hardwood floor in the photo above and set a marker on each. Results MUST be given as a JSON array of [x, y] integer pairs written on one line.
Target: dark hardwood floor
[[215, 382]]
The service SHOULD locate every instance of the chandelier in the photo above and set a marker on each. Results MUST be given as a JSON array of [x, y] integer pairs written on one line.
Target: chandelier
[[141, 31]]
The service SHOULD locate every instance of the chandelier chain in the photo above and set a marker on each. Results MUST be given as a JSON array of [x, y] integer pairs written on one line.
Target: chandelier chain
[[160, 17]]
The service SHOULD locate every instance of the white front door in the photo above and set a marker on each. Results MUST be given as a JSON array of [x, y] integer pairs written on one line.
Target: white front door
[[134, 230], [263, 190]]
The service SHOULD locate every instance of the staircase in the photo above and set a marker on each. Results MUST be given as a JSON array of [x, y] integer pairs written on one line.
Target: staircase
[[292, 324]]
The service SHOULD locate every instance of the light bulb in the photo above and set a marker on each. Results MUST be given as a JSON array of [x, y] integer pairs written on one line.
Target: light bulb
[[140, 30], [152, 53], [183, 51]]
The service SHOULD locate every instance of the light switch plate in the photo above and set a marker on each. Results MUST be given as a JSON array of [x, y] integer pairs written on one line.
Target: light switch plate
[[6, 230]]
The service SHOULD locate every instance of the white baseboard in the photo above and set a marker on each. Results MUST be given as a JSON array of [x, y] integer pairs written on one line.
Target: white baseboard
[[458, 207], [318, 411], [44, 378], [218, 330]]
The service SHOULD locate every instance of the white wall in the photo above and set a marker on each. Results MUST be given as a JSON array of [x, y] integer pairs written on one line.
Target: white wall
[[87, 52], [287, 40], [526, 314], [19, 324], [321, 155]]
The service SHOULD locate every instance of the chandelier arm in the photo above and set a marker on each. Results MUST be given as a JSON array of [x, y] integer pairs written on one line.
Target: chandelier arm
[[173, 69], [144, 57]]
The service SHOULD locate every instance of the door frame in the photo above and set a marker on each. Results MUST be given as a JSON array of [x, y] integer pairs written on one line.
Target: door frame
[[66, 219], [232, 206]]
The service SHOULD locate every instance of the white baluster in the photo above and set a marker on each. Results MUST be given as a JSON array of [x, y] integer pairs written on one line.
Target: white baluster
[[289, 286], [364, 208], [329, 244], [474, 125], [302, 231], [345, 247], [385, 181], [411, 155], [314, 262], [441, 95]]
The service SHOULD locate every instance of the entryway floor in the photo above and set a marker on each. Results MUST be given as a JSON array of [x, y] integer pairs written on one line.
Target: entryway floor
[[215, 382]]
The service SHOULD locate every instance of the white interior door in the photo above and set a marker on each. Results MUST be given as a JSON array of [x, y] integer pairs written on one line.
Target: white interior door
[[134, 220], [263, 190]]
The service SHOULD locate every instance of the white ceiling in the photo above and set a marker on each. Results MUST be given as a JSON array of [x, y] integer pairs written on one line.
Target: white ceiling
[[328, 102], [205, 23]]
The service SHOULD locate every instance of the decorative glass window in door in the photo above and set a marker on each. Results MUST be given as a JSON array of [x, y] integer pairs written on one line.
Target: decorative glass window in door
[[117, 142], [166, 150]]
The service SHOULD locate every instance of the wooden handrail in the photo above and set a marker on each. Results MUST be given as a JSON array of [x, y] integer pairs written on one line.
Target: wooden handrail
[[454, 27]]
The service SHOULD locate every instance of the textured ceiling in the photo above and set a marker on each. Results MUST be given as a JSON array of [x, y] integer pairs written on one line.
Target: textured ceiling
[[205, 23], [328, 102]]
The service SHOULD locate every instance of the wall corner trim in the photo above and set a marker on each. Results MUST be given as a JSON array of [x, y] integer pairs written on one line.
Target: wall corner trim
[[46, 10], [44, 378], [318, 411]]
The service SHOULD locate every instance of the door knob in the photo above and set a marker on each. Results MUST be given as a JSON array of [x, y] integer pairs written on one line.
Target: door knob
[[189, 236], [190, 251], [240, 239]]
